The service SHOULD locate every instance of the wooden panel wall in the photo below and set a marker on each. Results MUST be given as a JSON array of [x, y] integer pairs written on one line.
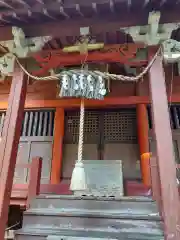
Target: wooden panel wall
[[48, 90], [36, 140]]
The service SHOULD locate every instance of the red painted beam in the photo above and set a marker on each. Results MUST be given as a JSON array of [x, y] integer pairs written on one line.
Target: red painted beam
[[9, 143], [121, 53], [165, 151], [75, 103]]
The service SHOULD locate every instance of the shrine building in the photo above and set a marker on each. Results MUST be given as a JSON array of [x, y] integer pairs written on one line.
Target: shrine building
[[90, 119]]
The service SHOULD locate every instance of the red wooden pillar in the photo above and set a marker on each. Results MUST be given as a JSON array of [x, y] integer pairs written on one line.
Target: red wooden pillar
[[143, 132], [165, 152], [9, 144], [57, 146]]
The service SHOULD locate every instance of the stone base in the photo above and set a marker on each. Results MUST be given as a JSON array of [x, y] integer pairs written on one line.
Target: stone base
[[104, 178]]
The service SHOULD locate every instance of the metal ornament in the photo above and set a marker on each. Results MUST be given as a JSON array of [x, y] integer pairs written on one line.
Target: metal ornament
[[82, 85]]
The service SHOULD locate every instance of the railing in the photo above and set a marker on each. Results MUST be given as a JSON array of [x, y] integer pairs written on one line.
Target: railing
[[31, 189], [155, 181]]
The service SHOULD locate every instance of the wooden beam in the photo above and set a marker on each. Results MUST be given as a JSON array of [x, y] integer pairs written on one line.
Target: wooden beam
[[143, 132], [57, 146], [9, 143], [165, 151], [122, 53], [75, 103]]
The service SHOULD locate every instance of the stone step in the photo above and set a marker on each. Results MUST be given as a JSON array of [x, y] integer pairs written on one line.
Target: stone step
[[55, 217], [88, 219], [83, 234], [106, 213], [142, 204]]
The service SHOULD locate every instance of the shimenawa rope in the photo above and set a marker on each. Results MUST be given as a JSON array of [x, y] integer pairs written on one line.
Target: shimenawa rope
[[105, 75]]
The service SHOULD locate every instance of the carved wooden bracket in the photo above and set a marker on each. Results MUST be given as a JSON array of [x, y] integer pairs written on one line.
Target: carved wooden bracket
[[19, 46], [125, 54]]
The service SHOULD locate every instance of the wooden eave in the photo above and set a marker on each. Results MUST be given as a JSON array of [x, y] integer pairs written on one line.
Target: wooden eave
[[65, 17]]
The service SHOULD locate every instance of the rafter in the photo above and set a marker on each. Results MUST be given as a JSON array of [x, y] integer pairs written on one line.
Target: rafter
[[62, 12], [14, 15], [54, 6], [78, 9], [111, 4], [94, 7], [99, 25], [4, 3], [146, 2], [40, 1], [46, 13], [3, 20], [24, 3], [162, 2], [129, 2]]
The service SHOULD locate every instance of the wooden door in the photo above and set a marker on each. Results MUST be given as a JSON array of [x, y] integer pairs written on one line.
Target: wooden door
[[108, 135], [120, 140], [91, 139], [36, 140]]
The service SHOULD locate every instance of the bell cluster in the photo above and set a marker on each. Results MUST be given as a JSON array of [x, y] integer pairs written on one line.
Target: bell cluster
[[83, 85]]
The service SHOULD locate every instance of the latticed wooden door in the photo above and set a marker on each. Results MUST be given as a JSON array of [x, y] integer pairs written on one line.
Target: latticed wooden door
[[120, 140], [36, 140], [91, 139], [108, 134]]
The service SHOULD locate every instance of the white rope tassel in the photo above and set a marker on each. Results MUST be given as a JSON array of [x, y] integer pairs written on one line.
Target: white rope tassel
[[78, 180]]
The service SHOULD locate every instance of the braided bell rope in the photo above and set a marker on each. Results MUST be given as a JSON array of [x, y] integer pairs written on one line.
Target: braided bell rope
[[81, 131]]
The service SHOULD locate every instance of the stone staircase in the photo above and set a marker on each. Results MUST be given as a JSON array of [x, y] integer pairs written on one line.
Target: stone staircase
[[55, 217]]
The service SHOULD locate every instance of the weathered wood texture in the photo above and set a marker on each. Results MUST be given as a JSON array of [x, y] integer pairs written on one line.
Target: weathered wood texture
[[56, 164], [22, 194], [48, 90], [36, 139], [35, 179], [29, 147], [9, 143], [165, 151], [155, 182]]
